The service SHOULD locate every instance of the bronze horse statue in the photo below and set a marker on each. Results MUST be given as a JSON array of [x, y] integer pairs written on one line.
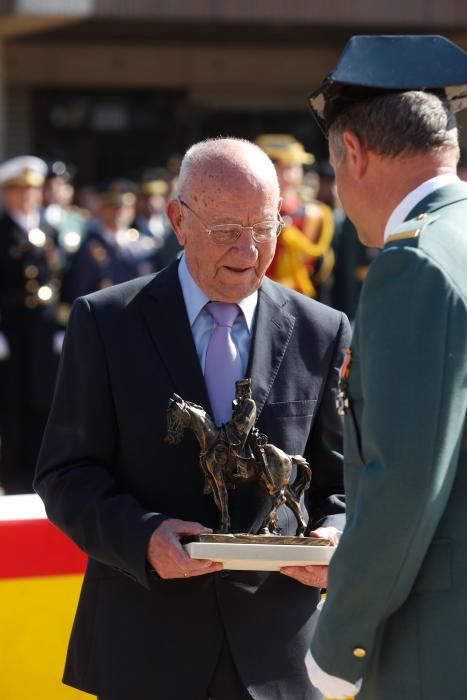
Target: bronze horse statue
[[219, 465]]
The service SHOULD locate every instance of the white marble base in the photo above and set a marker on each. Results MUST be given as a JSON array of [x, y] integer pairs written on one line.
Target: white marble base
[[259, 557]]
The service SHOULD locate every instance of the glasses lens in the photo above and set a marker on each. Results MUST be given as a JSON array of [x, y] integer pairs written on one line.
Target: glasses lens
[[265, 230], [225, 233]]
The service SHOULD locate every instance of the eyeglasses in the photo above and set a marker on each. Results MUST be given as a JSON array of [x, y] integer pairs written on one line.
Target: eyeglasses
[[226, 234]]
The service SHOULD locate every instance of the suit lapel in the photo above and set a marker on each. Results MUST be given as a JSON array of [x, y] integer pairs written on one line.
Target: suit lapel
[[165, 313], [273, 329]]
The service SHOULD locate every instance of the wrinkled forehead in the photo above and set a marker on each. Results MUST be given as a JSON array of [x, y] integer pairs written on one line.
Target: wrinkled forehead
[[221, 182]]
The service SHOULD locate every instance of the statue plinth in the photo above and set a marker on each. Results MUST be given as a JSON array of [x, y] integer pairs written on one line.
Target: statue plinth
[[260, 552]]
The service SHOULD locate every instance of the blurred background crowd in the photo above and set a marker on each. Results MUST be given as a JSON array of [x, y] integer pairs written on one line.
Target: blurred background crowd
[[58, 242], [99, 100]]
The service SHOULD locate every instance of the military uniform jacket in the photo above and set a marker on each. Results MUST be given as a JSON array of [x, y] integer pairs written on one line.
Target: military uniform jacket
[[29, 322], [397, 599], [108, 480], [99, 264]]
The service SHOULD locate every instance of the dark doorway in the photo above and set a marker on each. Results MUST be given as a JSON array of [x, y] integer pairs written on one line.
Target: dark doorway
[[107, 133]]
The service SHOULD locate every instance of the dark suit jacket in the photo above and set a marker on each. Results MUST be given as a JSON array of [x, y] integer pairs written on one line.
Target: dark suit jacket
[[108, 480], [398, 581]]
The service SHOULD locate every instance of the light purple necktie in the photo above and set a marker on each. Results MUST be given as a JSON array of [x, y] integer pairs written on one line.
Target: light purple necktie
[[223, 365]]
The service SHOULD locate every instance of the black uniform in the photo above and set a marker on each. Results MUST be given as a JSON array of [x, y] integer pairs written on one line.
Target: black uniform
[[30, 278], [167, 246], [350, 269], [100, 262]]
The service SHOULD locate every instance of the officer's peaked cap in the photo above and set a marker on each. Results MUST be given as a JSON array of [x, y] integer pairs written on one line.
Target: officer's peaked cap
[[23, 171], [374, 65]]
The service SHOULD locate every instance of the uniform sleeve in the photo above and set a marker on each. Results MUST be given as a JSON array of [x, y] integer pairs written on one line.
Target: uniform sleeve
[[74, 475], [410, 407]]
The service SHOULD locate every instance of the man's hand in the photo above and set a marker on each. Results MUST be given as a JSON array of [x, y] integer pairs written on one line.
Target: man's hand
[[167, 556], [314, 575]]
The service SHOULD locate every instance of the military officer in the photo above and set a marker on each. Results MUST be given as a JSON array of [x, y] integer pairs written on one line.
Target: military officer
[[352, 260], [112, 251], [30, 336], [69, 220], [393, 625], [304, 259], [151, 219]]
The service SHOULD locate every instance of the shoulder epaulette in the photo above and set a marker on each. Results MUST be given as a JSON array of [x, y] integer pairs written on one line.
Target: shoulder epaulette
[[410, 230]]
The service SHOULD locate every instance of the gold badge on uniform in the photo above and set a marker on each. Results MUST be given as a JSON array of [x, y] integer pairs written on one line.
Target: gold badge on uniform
[[342, 399]]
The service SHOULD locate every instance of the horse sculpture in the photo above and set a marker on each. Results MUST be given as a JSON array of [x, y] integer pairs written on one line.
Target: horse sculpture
[[219, 464]]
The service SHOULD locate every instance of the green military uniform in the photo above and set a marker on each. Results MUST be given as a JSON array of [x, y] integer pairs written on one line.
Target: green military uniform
[[397, 599]]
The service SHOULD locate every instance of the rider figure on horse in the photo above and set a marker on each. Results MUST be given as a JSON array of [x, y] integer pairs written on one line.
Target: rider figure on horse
[[241, 434]]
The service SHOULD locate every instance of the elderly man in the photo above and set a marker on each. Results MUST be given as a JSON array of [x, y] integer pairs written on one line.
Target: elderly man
[[151, 622], [397, 596]]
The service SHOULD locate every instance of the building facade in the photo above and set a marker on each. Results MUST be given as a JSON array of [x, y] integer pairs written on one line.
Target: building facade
[[115, 86]]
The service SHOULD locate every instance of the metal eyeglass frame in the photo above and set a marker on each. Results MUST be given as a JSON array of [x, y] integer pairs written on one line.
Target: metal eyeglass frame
[[239, 228]]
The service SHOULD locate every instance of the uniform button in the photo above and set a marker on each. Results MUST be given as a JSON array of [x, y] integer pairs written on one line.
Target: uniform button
[[420, 217], [37, 237], [31, 302], [31, 271], [71, 241], [45, 294], [359, 652], [32, 286], [132, 234]]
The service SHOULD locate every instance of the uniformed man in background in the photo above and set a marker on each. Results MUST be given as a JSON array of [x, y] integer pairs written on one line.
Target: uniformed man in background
[[304, 259], [59, 210], [151, 218], [352, 261], [30, 334], [112, 251]]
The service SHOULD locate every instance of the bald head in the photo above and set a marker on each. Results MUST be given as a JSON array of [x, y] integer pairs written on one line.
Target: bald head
[[226, 182], [210, 166]]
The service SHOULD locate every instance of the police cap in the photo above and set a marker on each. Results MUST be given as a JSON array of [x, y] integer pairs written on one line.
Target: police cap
[[375, 65]]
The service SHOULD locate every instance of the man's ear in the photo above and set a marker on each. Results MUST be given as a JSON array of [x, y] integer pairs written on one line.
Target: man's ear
[[174, 213], [356, 153]]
